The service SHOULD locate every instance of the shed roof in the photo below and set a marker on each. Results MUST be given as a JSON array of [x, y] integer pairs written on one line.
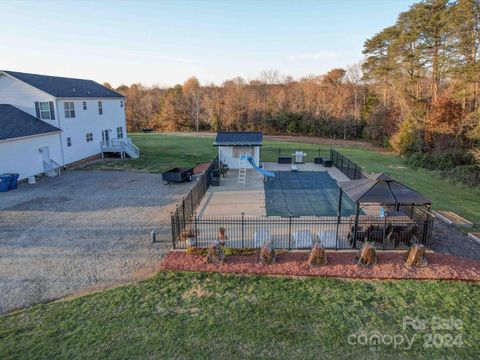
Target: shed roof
[[15, 123], [231, 138], [63, 87], [382, 189]]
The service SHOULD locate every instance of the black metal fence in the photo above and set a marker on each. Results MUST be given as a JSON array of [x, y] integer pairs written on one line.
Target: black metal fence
[[182, 215], [271, 154], [346, 166], [332, 232]]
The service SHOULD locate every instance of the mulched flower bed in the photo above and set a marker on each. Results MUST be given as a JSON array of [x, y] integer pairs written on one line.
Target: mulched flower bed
[[340, 264]]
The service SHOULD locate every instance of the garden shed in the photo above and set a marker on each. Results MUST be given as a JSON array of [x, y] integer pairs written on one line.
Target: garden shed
[[232, 144]]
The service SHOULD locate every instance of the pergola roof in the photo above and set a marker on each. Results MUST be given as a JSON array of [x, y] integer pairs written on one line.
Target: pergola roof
[[382, 189]]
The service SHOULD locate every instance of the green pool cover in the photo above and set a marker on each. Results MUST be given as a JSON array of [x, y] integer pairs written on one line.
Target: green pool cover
[[304, 193]]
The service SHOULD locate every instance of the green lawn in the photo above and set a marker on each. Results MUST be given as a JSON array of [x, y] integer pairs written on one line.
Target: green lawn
[[213, 316], [162, 151]]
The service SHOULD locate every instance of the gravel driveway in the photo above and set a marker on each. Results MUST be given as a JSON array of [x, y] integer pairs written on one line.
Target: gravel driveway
[[79, 231]]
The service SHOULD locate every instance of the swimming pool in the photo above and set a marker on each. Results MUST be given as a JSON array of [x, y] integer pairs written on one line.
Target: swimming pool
[[304, 193]]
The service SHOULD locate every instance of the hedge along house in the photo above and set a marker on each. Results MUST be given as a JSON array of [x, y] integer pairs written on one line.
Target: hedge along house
[[231, 145]]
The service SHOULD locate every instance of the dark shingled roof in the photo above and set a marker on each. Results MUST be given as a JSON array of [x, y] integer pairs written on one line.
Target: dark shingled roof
[[15, 123], [381, 189], [65, 87], [238, 138]]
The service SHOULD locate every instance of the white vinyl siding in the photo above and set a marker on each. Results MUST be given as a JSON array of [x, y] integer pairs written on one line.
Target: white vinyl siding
[[45, 110], [242, 150], [69, 107]]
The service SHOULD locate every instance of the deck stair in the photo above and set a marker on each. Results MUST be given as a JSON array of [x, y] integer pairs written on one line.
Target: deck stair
[[242, 169], [122, 146], [50, 166]]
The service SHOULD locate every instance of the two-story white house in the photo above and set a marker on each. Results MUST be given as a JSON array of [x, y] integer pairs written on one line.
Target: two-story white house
[[85, 119]]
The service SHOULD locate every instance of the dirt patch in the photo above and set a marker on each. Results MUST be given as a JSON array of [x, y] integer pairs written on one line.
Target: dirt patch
[[82, 231], [323, 141], [340, 264]]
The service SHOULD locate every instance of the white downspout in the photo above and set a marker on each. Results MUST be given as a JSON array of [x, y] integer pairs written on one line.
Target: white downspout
[[61, 132]]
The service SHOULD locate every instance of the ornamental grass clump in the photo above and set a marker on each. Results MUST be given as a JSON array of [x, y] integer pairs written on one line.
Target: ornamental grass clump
[[317, 256], [367, 254]]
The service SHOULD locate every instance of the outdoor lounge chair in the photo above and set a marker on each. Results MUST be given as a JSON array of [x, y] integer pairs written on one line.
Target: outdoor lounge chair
[[260, 237], [327, 238], [360, 235], [403, 233], [302, 239]]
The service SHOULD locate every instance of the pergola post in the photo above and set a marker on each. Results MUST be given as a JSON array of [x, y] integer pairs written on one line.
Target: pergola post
[[339, 214]]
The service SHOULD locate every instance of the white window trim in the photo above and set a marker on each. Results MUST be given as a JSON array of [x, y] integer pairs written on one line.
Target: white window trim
[[69, 107], [100, 107], [44, 111], [120, 132]]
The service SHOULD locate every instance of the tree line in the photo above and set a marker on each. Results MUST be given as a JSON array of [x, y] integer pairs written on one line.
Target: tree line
[[416, 92], [328, 105]]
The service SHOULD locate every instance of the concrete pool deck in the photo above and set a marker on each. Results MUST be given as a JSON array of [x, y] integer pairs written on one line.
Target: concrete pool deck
[[231, 198]]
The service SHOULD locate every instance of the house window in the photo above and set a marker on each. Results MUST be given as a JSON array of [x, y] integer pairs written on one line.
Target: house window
[[69, 141], [89, 137], [100, 108], [121, 103], [69, 109], [120, 132], [84, 105], [45, 111]]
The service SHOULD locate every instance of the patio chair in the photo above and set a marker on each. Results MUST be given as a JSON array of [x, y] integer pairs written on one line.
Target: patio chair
[[302, 239], [260, 237], [376, 235], [327, 238], [360, 235], [403, 233]]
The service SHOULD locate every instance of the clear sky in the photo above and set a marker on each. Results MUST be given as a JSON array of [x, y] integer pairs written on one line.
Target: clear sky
[[165, 42]]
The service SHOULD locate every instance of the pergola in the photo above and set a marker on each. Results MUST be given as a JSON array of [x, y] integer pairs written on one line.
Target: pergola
[[381, 189]]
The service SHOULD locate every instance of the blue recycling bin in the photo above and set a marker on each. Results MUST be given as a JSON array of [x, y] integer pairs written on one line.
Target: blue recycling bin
[[13, 180], [5, 181]]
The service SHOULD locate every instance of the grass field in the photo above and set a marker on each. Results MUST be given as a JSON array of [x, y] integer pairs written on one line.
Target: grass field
[[213, 316], [162, 151]]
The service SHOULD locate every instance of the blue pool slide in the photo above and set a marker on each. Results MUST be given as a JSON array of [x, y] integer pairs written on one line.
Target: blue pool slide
[[251, 160]]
